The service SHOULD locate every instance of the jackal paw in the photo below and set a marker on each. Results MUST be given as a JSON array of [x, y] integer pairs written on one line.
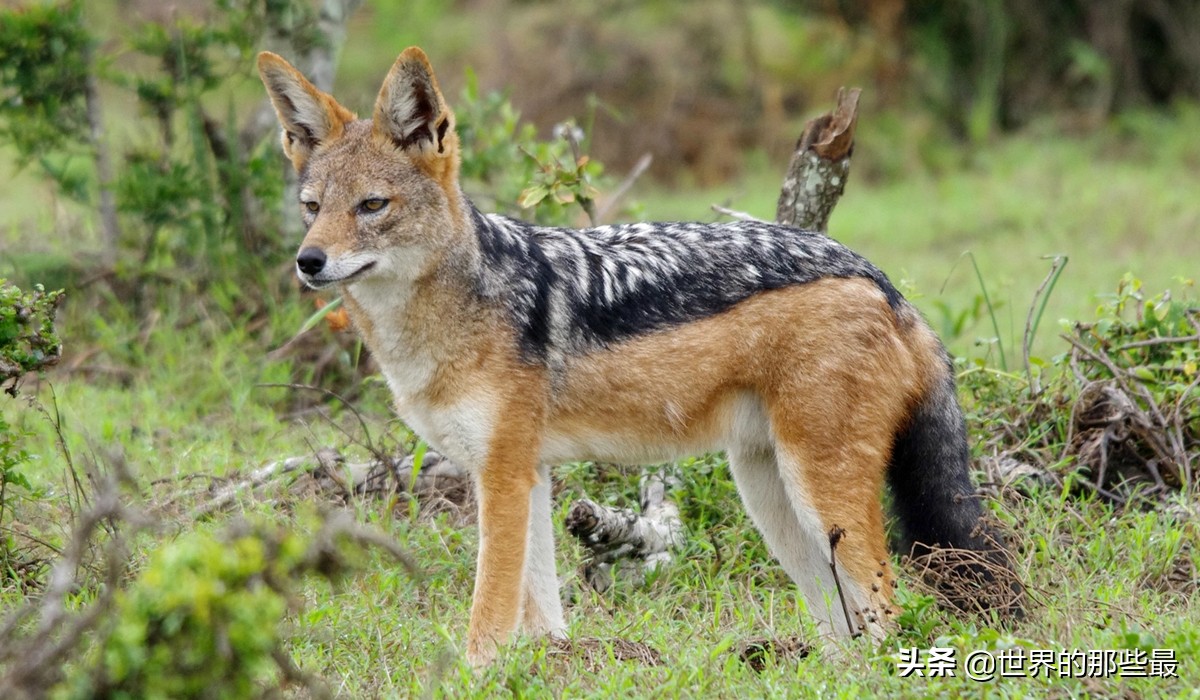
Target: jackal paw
[[481, 652]]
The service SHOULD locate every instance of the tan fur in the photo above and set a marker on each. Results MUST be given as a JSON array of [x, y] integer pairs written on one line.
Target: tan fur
[[805, 386], [782, 343], [834, 392], [439, 161], [287, 85]]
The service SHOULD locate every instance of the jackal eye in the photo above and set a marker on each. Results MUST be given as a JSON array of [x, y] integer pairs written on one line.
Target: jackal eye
[[314, 207], [372, 205]]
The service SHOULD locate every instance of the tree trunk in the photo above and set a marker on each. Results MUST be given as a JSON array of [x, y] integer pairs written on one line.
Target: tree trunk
[[109, 227]]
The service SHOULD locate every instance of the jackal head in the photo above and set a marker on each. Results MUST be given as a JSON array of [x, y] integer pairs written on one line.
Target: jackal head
[[379, 197]]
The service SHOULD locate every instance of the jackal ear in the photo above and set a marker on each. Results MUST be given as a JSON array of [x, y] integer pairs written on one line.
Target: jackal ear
[[410, 110], [309, 117]]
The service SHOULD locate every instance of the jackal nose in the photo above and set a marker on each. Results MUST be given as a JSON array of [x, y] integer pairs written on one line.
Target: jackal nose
[[310, 261]]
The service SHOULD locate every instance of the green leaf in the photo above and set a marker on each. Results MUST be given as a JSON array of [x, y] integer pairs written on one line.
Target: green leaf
[[17, 478], [562, 195], [532, 195]]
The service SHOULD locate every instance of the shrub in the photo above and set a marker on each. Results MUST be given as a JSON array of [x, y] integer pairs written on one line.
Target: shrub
[[28, 343], [204, 609], [1117, 415]]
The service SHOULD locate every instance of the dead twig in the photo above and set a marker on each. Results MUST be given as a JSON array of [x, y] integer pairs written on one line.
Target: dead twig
[[755, 652], [1158, 341], [978, 581], [34, 662], [610, 202], [740, 215], [835, 536], [597, 653], [1164, 437]]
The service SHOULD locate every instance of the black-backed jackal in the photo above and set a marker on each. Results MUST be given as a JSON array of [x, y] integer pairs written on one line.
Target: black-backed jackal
[[510, 347]]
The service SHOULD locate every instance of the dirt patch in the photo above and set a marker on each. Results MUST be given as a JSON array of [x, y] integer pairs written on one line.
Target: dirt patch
[[596, 653], [758, 652]]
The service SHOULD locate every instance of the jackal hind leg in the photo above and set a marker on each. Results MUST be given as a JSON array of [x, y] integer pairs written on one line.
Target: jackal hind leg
[[834, 483], [803, 552]]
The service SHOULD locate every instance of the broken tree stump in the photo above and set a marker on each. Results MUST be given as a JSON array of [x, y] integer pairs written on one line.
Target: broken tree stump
[[816, 176]]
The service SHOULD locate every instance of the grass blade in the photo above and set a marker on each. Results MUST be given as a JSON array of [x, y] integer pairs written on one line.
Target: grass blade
[[320, 314], [987, 300], [1034, 320]]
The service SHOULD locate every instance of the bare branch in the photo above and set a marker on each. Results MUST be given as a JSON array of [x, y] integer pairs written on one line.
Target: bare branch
[[622, 189], [740, 215]]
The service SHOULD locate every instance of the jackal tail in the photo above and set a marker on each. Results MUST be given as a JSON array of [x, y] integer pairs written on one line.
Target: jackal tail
[[941, 516]]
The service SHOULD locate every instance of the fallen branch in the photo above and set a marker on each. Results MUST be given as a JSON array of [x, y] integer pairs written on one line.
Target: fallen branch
[[438, 483], [636, 544]]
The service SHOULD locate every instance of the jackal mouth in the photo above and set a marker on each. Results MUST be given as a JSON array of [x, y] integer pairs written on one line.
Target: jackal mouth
[[319, 282]]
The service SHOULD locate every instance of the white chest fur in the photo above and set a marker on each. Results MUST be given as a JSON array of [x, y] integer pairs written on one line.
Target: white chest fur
[[461, 429]]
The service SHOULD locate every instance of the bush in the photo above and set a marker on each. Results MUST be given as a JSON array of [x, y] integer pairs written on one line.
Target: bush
[[28, 343], [1117, 415], [523, 175], [204, 617], [204, 609], [44, 56]]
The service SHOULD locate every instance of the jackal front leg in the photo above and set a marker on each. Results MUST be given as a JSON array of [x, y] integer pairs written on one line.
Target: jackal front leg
[[503, 485], [542, 613]]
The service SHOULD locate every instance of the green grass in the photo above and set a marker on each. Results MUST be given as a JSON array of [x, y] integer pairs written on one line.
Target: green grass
[[1099, 578], [384, 634]]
